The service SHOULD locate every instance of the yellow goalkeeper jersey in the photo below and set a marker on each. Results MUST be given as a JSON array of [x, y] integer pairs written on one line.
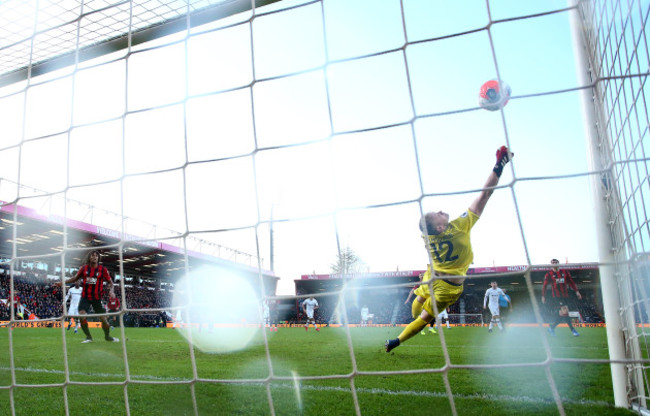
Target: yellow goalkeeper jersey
[[451, 250]]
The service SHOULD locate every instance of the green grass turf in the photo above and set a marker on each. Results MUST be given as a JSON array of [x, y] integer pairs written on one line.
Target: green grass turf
[[162, 378]]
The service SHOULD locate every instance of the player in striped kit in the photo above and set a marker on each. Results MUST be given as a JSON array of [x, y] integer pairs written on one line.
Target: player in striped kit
[[93, 276]]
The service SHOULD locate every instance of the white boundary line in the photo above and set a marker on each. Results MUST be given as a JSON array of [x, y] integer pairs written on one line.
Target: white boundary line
[[288, 385]]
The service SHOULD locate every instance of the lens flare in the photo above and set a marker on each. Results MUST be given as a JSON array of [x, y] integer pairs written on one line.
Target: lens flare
[[216, 309]]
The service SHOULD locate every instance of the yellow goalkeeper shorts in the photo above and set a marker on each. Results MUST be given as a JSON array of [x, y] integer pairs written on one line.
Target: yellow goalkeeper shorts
[[423, 290], [445, 294]]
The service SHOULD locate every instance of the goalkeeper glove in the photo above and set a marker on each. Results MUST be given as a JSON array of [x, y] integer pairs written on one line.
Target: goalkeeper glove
[[503, 157]]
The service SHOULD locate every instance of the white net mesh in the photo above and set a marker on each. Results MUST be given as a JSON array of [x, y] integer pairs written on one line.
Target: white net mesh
[[620, 142], [276, 134]]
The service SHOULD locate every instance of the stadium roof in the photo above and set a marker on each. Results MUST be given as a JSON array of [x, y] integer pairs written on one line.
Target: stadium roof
[[41, 237], [39, 36]]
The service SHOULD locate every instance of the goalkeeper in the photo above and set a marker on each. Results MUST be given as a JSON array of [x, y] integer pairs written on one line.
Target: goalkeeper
[[450, 251]]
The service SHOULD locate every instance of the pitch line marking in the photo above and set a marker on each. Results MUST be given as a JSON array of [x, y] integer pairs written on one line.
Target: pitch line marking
[[373, 391]]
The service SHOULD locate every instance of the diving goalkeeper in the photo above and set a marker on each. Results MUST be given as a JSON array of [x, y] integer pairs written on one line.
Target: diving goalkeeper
[[450, 250]]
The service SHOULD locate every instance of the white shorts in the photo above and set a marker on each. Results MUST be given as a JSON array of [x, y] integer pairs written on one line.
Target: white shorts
[[73, 310], [310, 314], [443, 314], [494, 309]]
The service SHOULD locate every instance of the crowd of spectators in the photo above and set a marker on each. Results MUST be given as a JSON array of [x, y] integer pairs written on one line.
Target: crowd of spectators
[[32, 291], [142, 297], [36, 293]]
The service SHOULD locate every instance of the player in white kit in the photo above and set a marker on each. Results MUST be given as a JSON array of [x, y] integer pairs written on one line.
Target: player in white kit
[[364, 315], [442, 315], [308, 307], [492, 301], [74, 295]]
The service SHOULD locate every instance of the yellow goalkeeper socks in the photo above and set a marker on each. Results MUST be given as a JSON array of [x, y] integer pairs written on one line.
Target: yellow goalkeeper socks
[[416, 308], [413, 328]]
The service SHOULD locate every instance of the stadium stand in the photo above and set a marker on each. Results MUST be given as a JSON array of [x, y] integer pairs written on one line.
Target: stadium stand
[[150, 268]]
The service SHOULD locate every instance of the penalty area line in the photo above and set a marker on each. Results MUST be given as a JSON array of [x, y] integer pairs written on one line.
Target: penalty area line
[[104, 375]]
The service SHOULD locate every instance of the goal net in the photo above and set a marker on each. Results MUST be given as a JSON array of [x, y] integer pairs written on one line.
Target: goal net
[[277, 137]]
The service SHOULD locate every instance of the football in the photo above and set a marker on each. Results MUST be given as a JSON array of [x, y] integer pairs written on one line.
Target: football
[[494, 95]]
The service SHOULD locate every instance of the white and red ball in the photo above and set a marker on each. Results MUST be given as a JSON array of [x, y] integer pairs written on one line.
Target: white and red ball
[[494, 95]]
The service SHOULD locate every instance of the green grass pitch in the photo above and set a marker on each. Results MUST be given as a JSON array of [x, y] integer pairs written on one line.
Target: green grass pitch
[[162, 379]]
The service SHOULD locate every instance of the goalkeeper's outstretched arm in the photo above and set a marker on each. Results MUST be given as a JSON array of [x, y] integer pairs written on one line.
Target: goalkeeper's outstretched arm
[[503, 157]]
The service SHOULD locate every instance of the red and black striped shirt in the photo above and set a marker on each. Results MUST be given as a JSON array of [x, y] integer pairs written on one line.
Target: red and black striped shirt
[[113, 304], [559, 281], [93, 281]]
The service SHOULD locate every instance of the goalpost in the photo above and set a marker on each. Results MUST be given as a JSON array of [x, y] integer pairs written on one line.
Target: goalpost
[[137, 103], [614, 146]]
